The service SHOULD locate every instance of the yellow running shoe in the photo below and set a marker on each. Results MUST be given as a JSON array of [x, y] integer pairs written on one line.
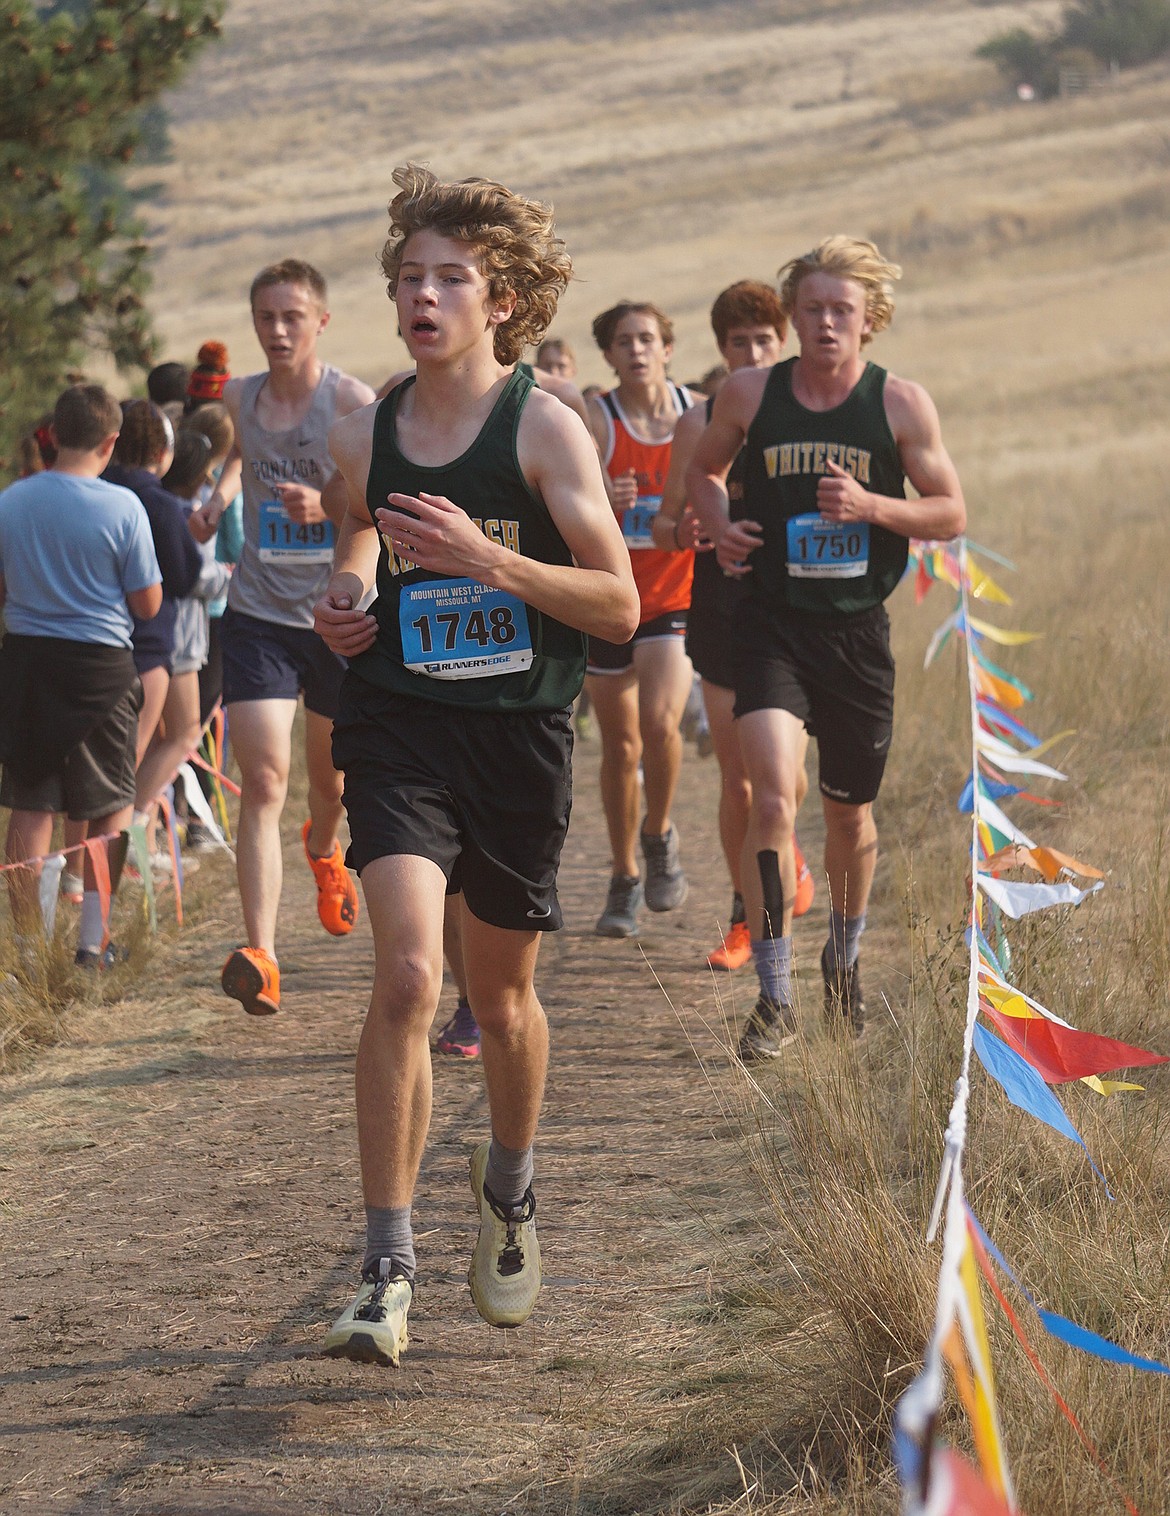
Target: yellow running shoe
[[372, 1328], [337, 900], [505, 1263]]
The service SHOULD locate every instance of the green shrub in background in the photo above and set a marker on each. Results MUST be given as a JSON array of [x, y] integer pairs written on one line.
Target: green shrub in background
[[81, 86]]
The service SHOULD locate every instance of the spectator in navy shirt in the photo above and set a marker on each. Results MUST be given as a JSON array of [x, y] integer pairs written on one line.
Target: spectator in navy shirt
[[144, 452]]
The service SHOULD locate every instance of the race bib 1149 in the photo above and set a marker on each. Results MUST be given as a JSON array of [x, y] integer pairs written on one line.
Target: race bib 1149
[[820, 549], [461, 629], [283, 540]]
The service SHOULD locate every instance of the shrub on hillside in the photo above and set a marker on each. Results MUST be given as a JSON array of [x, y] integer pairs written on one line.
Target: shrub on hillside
[[1024, 58], [1122, 32], [1125, 32]]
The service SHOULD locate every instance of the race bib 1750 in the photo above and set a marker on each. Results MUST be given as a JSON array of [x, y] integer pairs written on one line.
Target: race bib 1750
[[820, 549], [461, 629]]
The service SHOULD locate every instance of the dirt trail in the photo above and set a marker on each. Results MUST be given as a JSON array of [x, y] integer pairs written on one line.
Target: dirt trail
[[182, 1217]]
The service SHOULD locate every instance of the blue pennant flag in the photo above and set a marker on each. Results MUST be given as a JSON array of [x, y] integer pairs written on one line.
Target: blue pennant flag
[[1064, 1329], [1026, 1090], [997, 716], [987, 787]]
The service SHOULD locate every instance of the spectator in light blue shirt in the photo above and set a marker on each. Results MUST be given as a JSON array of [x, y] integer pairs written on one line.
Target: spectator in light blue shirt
[[76, 563]]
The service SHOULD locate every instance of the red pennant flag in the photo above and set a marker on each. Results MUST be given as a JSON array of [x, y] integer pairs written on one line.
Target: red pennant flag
[[1060, 1054], [969, 1495]]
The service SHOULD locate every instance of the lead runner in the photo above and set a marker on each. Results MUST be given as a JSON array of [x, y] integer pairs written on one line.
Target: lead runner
[[479, 502]]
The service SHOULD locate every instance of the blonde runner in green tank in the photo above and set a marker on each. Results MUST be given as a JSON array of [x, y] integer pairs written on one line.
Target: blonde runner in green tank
[[822, 541], [477, 502]]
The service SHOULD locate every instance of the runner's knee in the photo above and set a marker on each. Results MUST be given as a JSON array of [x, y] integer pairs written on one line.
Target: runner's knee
[[406, 989], [773, 811], [622, 748], [264, 783], [851, 825], [507, 1015]]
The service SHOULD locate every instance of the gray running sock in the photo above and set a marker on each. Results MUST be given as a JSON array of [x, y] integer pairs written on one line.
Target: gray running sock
[[844, 940], [773, 958], [388, 1235], [508, 1173], [89, 932]]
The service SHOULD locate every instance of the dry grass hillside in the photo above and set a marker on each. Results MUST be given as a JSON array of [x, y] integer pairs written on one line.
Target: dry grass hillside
[[728, 1324], [685, 145]]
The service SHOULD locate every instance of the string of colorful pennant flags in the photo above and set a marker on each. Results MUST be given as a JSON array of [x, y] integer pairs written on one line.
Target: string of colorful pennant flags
[[1024, 1047]]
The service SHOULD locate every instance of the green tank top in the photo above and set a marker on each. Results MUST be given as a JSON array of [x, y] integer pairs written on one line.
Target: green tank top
[[807, 565], [456, 641]]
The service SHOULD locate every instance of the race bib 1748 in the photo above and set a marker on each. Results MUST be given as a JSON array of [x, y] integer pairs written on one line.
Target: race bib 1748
[[461, 629], [820, 549], [637, 521], [283, 540]]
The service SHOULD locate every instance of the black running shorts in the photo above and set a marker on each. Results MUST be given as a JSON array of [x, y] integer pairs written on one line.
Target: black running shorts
[[484, 794], [838, 678], [617, 657], [712, 624], [95, 779], [264, 660]]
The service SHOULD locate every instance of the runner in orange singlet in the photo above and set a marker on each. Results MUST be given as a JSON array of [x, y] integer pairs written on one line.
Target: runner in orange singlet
[[639, 688]]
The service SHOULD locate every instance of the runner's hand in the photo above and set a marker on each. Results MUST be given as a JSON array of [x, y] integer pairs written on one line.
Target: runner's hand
[[202, 525], [689, 534], [735, 542], [623, 491], [841, 498], [342, 629], [432, 532], [302, 503]]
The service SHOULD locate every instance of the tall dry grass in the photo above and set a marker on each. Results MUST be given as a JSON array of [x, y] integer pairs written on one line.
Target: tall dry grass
[[818, 1327]]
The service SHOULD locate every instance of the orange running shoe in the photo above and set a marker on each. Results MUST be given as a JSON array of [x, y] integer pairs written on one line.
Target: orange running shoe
[[252, 977], [337, 899], [805, 884], [734, 951]]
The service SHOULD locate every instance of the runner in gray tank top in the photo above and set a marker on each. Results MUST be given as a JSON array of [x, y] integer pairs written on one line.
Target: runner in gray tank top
[[286, 563], [271, 654]]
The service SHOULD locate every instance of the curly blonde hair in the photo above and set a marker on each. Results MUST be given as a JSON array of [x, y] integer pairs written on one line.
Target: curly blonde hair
[[846, 258], [514, 240]]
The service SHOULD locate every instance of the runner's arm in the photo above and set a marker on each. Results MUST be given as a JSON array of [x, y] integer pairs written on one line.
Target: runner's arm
[[675, 528], [706, 474], [621, 492], [565, 391], [596, 594], [939, 511], [342, 627]]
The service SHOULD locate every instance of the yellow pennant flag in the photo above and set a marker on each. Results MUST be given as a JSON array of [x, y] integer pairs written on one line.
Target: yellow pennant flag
[[1006, 1000], [983, 586], [1001, 635], [975, 1380], [1034, 752], [1109, 1086]]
